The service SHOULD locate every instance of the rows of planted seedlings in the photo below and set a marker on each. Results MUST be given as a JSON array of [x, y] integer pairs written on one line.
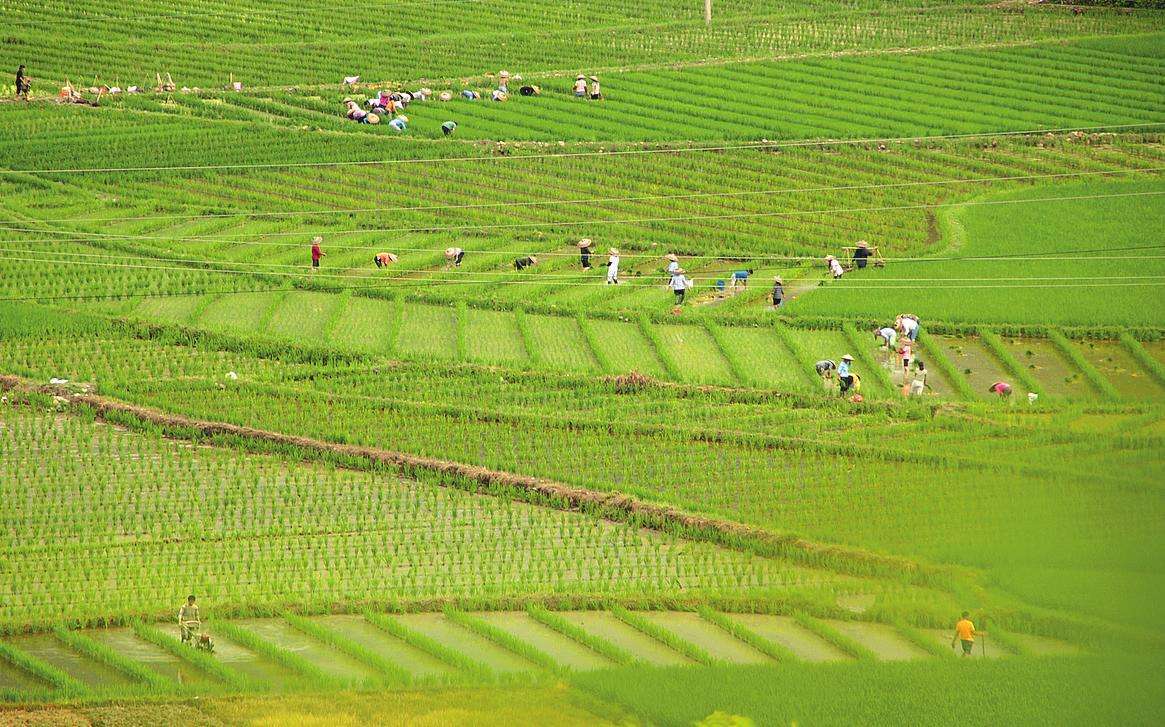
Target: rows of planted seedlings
[[129, 518]]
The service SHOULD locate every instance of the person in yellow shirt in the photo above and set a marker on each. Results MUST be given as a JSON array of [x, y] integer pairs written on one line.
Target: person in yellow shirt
[[965, 632]]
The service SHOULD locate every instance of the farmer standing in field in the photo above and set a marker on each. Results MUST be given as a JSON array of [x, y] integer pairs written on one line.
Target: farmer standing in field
[[861, 254], [316, 252], [673, 263], [965, 633], [679, 285], [584, 253], [612, 266], [778, 294], [188, 619], [22, 83]]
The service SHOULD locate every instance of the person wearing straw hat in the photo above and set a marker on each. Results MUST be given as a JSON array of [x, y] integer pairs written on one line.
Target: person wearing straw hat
[[673, 263], [739, 277], [680, 283], [845, 374], [580, 86], [454, 255], [584, 252], [525, 262], [384, 259], [504, 82], [861, 254], [909, 325], [596, 93], [317, 252], [834, 266], [612, 266], [778, 294], [1002, 389]]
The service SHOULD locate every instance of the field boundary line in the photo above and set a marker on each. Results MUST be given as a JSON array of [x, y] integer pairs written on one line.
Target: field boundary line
[[613, 505]]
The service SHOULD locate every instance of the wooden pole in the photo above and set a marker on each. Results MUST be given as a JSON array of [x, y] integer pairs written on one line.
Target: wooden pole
[[708, 11]]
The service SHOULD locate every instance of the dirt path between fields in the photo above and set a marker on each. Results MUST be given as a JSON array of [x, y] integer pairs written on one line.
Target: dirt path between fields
[[611, 505]]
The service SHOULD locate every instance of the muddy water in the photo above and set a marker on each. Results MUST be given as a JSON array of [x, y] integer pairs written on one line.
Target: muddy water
[[566, 651], [972, 360], [47, 648], [1118, 366], [639, 645], [333, 662], [943, 638], [12, 677], [881, 639], [1156, 349], [786, 632], [1043, 646], [124, 642], [1050, 368], [413, 660], [251, 665], [709, 637], [454, 636]]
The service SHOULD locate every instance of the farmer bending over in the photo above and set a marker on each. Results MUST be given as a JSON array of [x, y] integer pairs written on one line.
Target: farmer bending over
[[739, 277], [525, 262]]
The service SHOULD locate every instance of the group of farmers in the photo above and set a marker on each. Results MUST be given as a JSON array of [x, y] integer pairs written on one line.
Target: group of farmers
[[391, 104], [900, 340]]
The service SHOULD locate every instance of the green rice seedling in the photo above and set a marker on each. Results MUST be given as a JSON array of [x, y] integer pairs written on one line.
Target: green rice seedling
[[935, 358], [740, 372], [199, 659], [670, 366], [506, 640], [1143, 357], [532, 350], [461, 323], [104, 654], [991, 340], [765, 646], [1009, 643], [870, 366], [835, 637], [432, 647], [922, 641], [48, 673], [597, 351], [390, 672], [595, 643], [1102, 384], [309, 672], [663, 636]]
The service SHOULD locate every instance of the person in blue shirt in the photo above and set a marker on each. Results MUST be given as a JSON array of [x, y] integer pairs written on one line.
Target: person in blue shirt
[[844, 374], [741, 277]]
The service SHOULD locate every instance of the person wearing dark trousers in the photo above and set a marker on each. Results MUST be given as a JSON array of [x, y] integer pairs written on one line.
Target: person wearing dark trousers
[[679, 284], [23, 85], [454, 255], [525, 262], [778, 294], [584, 253]]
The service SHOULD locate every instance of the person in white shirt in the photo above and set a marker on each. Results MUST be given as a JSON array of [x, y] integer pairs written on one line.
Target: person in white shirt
[[908, 324], [673, 263], [918, 382], [835, 267], [613, 267], [679, 284], [580, 86], [188, 619]]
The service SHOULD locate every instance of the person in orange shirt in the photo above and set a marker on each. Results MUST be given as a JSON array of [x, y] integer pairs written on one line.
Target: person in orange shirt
[[965, 632]]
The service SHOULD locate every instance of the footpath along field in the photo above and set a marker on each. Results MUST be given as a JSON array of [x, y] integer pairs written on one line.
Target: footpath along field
[[472, 494]]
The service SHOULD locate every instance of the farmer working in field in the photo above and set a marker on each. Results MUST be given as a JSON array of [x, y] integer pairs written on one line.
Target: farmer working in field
[[316, 252], [612, 266], [835, 268], [454, 255], [845, 375], [384, 259], [908, 324], [825, 368], [778, 294], [188, 619], [886, 337], [584, 253], [861, 254], [740, 277], [673, 263], [965, 633], [680, 284], [525, 262], [23, 83], [1002, 389]]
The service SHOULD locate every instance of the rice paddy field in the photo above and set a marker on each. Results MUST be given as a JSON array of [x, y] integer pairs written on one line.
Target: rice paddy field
[[478, 493]]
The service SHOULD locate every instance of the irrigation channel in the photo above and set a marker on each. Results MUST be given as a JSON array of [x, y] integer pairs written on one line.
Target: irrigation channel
[[962, 362], [440, 647]]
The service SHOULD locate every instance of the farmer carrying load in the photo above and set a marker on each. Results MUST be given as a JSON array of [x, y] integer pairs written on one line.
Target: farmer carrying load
[[861, 254]]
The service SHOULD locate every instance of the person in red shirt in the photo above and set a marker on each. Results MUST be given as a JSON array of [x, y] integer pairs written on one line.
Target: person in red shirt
[[316, 252]]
